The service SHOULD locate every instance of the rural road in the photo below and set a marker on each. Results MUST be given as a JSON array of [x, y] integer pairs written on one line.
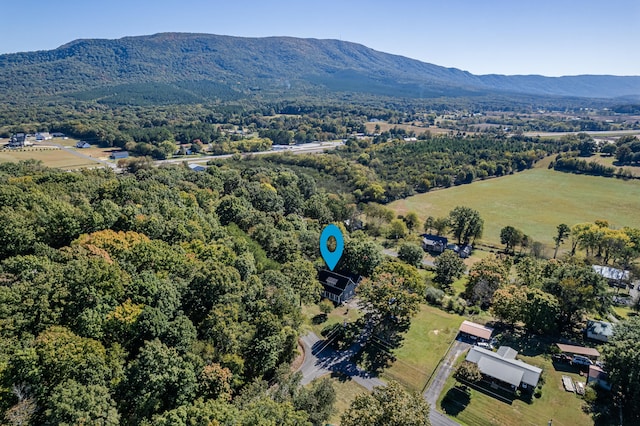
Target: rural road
[[434, 390], [320, 359], [590, 132], [309, 148]]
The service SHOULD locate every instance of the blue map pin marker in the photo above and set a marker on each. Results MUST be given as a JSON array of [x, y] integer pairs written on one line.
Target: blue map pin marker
[[331, 258]]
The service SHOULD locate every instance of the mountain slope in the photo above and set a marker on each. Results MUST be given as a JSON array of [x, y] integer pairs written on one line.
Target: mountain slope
[[234, 66]]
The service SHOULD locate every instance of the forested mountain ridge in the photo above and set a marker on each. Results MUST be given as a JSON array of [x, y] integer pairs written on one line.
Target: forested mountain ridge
[[193, 67]]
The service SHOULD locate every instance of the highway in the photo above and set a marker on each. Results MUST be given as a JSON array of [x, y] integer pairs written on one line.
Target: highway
[[308, 148]]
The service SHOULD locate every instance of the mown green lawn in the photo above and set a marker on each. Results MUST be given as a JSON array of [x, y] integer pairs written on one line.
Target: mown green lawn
[[480, 409], [535, 201], [346, 391], [425, 343], [338, 315]]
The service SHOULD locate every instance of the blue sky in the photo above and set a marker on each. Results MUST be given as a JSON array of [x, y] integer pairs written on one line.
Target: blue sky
[[560, 37]]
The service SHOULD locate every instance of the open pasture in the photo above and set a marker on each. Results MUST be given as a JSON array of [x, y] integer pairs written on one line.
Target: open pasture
[[51, 157], [535, 201]]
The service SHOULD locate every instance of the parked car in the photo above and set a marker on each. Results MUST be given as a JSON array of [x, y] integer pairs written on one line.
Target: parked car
[[485, 345], [562, 358], [581, 360]]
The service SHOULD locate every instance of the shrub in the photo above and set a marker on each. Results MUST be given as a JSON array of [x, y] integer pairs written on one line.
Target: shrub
[[474, 310], [434, 296], [590, 395], [326, 306]]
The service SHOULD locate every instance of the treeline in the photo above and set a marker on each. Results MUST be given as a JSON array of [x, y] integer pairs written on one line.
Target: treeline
[[160, 296], [577, 165], [396, 169], [626, 150], [443, 161]]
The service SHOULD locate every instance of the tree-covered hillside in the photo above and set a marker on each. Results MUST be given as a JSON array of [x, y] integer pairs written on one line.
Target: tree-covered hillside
[[192, 67]]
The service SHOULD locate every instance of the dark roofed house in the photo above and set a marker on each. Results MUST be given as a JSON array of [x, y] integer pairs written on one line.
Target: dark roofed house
[[503, 369], [116, 155], [434, 243], [465, 251], [338, 287], [83, 144]]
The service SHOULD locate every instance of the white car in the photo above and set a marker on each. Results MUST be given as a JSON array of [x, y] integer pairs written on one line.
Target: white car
[[581, 360], [484, 345]]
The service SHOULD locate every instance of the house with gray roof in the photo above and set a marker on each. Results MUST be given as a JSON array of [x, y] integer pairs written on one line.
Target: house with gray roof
[[615, 277], [599, 330], [504, 369]]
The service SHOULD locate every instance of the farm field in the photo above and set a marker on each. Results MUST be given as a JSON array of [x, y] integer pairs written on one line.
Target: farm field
[[384, 127], [51, 157], [535, 201], [565, 408]]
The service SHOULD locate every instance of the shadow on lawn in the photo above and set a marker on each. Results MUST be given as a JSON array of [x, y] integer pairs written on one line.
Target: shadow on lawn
[[377, 353], [456, 400], [525, 344]]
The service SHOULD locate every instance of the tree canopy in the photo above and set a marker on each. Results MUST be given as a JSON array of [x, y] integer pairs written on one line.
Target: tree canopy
[[389, 405]]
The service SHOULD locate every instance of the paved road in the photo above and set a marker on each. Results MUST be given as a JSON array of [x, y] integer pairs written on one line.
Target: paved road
[[310, 148], [592, 133], [321, 359], [432, 393]]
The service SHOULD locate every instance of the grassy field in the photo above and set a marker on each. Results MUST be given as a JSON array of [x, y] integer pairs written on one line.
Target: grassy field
[[431, 332], [608, 161], [535, 201], [51, 157], [384, 127], [346, 391], [563, 407], [338, 315]]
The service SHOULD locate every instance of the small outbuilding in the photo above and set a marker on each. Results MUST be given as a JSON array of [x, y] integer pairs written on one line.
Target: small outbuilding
[[197, 167], [615, 277], [599, 376], [117, 155], [474, 331], [578, 350], [83, 144]]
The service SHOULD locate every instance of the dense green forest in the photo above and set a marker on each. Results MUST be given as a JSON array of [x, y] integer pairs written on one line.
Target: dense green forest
[[156, 296]]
